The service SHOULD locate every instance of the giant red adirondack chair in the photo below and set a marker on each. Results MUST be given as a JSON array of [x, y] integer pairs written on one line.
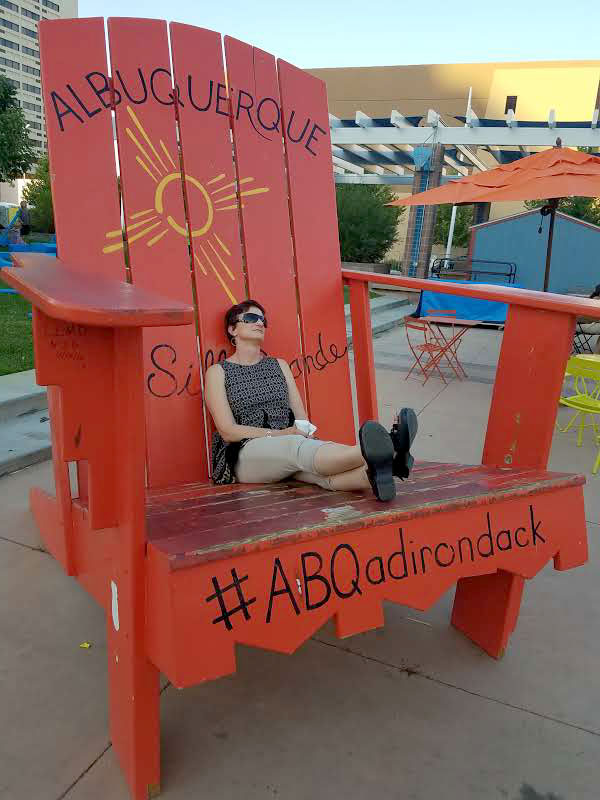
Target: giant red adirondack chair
[[226, 191]]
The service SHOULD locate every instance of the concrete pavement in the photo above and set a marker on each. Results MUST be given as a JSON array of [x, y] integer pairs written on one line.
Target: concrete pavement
[[412, 711]]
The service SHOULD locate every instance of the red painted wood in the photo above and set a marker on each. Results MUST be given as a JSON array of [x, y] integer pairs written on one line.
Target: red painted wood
[[133, 680], [221, 527], [305, 124], [188, 645], [157, 244], [80, 143], [535, 348], [529, 378], [204, 127], [546, 301], [76, 101], [79, 359], [64, 292], [252, 78], [486, 609], [362, 344]]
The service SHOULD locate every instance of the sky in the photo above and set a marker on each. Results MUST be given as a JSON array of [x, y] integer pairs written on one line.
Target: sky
[[335, 33]]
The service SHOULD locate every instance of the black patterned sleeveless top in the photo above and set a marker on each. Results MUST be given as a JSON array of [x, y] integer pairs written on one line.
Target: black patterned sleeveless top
[[258, 396]]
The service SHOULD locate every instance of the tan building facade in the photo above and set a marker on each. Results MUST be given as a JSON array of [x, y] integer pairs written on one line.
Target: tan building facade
[[530, 89], [568, 87]]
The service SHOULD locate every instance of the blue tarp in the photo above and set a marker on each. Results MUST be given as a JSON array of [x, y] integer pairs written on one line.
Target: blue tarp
[[34, 247], [465, 307]]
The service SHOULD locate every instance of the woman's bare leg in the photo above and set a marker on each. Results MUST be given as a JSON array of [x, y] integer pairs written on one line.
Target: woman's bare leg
[[333, 459], [350, 481]]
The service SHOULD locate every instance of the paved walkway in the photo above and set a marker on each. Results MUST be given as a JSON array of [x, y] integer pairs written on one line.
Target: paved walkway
[[411, 712]]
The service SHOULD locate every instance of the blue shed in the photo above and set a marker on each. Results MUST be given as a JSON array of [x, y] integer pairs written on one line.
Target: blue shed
[[575, 263]]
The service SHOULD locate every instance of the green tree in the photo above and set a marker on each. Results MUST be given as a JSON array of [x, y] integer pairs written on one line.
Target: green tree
[[367, 227], [17, 153], [38, 194], [585, 208], [462, 225]]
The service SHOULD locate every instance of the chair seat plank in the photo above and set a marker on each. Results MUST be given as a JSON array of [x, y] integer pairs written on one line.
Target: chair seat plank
[[219, 527]]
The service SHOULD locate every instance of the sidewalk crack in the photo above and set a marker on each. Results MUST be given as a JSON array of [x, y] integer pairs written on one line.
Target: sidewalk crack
[[26, 546], [417, 673]]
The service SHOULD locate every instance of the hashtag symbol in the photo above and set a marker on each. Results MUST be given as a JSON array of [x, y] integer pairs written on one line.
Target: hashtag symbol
[[219, 592]]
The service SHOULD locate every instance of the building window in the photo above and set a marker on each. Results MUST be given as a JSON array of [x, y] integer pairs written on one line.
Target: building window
[[9, 44], [31, 106], [30, 52], [50, 4], [511, 103], [31, 70], [9, 63], [28, 32], [6, 23], [16, 84], [35, 125], [9, 5], [31, 14], [34, 89]]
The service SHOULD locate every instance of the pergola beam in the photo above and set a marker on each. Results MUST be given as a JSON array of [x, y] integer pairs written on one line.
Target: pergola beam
[[479, 136]]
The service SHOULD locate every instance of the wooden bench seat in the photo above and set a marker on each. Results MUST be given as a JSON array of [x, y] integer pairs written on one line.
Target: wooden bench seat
[[268, 565], [202, 523]]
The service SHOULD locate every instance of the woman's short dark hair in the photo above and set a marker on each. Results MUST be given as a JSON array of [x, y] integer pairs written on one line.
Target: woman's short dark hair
[[595, 293], [231, 316]]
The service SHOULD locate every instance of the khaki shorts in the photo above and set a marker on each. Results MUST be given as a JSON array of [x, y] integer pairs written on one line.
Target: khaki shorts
[[269, 459]]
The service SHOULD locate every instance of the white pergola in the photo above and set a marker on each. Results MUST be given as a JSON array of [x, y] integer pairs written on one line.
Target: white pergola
[[368, 150]]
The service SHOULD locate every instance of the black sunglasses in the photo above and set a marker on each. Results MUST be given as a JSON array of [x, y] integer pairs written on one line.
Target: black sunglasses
[[250, 317]]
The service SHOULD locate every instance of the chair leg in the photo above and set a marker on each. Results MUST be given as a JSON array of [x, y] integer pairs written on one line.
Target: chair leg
[[596, 466], [570, 423], [581, 429], [486, 609], [134, 710]]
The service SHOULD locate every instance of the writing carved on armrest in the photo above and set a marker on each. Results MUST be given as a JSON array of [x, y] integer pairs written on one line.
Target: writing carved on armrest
[[79, 359]]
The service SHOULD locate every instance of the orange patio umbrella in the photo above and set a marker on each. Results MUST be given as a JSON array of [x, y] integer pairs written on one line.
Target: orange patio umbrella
[[550, 174]]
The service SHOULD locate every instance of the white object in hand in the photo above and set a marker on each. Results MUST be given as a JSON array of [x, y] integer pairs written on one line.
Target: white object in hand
[[305, 426]]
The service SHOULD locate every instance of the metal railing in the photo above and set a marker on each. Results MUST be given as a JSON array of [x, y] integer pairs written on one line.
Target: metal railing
[[472, 269]]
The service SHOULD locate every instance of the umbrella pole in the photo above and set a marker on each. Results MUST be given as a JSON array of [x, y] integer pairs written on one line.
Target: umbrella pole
[[553, 203]]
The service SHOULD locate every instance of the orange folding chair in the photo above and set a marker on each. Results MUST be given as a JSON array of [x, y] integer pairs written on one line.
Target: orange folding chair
[[427, 353], [450, 344]]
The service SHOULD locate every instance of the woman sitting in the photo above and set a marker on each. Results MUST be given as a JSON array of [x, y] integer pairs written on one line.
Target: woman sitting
[[263, 434]]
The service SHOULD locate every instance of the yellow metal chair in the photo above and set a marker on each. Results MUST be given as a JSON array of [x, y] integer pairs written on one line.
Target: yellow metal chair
[[585, 371]]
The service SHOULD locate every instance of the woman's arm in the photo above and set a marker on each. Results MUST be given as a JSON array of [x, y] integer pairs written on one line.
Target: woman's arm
[[296, 403], [220, 410]]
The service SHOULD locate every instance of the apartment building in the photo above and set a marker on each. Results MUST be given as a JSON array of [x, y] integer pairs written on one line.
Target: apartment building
[[20, 55]]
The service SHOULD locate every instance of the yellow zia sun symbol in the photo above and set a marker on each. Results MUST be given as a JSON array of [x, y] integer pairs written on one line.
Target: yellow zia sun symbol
[[216, 252]]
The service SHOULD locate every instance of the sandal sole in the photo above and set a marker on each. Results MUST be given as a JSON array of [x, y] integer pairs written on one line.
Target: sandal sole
[[378, 451], [409, 425]]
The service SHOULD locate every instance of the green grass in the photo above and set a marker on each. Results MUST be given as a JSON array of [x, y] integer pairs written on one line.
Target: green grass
[[16, 336], [347, 294]]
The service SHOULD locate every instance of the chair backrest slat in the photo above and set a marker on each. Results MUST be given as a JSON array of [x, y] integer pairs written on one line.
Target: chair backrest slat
[[80, 139], [253, 86], [158, 243], [317, 253], [204, 130]]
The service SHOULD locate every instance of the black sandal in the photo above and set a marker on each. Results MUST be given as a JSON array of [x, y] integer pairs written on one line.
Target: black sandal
[[402, 435], [378, 451]]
